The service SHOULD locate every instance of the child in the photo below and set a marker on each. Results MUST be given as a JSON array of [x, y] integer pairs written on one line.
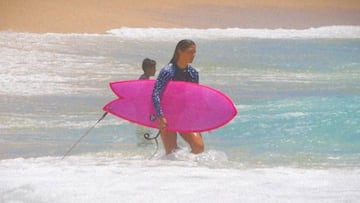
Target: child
[[149, 68]]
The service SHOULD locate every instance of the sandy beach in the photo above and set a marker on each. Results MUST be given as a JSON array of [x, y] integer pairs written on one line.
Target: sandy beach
[[93, 16]]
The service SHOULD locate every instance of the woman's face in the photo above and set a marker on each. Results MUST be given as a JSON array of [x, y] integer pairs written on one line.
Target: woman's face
[[188, 54]]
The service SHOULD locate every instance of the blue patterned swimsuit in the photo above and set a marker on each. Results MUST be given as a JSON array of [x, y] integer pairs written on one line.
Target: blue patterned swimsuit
[[171, 73]]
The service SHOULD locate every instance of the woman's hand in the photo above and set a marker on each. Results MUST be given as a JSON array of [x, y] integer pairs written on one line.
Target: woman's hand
[[162, 123]]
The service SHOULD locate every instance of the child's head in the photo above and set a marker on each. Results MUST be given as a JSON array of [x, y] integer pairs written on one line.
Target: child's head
[[149, 67]]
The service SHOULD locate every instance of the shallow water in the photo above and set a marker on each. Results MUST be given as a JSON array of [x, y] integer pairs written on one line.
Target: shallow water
[[296, 136]]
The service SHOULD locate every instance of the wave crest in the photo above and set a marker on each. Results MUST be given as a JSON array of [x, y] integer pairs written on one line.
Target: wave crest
[[169, 34]]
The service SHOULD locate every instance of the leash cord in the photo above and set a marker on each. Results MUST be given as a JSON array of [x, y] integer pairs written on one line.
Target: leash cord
[[147, 137], [85, 134]]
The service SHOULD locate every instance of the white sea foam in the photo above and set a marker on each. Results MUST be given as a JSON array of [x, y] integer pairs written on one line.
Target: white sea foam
[[114, 179], [163, 34]]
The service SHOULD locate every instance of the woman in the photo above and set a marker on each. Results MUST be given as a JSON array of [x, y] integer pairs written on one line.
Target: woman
[[179, 69]]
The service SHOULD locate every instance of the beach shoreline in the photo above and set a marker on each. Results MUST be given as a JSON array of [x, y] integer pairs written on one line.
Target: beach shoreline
[[91, 16]]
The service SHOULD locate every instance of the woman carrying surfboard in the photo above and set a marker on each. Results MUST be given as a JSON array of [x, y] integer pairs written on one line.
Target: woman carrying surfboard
[[179, 69]]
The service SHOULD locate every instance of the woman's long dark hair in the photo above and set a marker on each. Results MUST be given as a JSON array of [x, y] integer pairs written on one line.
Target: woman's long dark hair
[[181, 45]]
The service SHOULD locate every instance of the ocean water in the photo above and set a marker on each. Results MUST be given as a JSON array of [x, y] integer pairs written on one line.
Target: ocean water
[[296, 137]]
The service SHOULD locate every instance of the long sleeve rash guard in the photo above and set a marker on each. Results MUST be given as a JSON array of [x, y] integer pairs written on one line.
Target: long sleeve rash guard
[[171, 73]]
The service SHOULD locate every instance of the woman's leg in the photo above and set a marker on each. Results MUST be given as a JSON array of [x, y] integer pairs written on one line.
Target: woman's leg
[[169, 141], [195, 141]]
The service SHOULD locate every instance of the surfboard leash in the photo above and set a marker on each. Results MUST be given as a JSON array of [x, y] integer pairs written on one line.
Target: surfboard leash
[[147, 137], [84, 135]]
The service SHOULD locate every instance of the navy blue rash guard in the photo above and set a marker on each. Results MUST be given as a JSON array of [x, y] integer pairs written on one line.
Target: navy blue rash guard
[[171, 73]]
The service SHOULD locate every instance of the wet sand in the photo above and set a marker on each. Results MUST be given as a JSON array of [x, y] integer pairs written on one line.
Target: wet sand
[[93, 16]]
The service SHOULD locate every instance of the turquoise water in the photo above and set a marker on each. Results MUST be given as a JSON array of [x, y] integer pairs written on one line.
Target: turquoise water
[[298, 99]]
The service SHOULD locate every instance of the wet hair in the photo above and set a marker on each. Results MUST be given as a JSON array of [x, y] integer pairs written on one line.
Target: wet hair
[[148, 63], [181, 45]]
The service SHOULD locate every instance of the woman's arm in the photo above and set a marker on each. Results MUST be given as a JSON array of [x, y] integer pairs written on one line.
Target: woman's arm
[[194, 74], [161, 82]]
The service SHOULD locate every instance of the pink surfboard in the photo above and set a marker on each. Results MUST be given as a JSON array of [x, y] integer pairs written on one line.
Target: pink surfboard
[[187, 107]]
